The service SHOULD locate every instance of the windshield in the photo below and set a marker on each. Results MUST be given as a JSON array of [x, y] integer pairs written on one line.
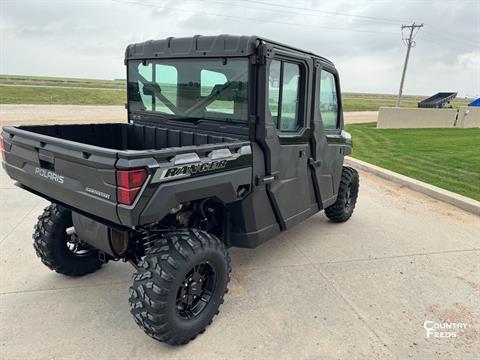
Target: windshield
[[190, 88]]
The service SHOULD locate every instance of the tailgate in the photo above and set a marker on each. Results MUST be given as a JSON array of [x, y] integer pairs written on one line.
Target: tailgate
[[79, 175]]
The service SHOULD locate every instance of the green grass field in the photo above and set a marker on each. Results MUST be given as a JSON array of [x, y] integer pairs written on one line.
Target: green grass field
[[63, 82], [49, 95], [447, 158], [17, 89]]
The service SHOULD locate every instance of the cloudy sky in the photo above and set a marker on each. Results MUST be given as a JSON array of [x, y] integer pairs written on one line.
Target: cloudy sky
[[363, 38]]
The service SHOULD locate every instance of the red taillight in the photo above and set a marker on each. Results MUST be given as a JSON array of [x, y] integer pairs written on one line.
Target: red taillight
[[131, 178], [2, 147], [127, 196], [129, 183]]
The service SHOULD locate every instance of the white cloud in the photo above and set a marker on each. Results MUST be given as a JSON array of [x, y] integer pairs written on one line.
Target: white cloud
[[87, 39], [470, 60]]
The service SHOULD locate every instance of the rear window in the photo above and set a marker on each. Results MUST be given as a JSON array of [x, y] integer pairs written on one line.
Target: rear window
[[190, 88]]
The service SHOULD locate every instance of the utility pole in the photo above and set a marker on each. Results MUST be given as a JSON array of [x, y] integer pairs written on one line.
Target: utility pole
[[410, 43]]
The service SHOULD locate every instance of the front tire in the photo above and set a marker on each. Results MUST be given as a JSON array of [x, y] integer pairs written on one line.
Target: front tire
[[343, 208], [57, 250], [179, 285]]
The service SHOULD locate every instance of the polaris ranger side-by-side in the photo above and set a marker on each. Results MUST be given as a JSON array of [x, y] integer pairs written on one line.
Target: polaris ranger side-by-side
[[230, 140]]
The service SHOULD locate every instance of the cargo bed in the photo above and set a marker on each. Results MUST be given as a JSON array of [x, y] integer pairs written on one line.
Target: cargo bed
[[126, 136], [76, 165]]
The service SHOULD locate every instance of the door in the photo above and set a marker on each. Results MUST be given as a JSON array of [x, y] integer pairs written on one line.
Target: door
[[287, 140], [328, 143]]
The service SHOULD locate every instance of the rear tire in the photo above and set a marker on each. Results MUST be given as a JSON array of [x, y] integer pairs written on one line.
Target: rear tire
[[343, 208], [51, 243], [170, 300]]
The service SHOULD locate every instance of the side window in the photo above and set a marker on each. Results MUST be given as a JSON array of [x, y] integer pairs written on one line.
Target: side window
[[274, 89], [290, 97], [208, 80], [146, 72], [328, 100], [166, 76], [284, 95]]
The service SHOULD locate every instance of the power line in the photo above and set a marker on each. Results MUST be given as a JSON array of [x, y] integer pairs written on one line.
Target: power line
[[263, 21], [450, 35], [332, 14], [304, 11], [443, 44], [410, 43], [337, 13]]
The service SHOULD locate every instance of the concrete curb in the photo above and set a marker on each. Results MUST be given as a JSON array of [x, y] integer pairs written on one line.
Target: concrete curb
[[449, 197]]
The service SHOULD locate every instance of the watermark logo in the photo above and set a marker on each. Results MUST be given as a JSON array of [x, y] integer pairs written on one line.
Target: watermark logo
[[442, 329]]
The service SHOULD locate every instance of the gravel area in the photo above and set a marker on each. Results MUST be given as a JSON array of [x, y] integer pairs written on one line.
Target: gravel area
[[74, 114]]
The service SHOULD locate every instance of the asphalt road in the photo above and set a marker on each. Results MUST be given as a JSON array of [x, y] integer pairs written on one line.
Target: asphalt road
[[359, 290]]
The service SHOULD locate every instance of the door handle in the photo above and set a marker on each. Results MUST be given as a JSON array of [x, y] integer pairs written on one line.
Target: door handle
[[266, 179], [314, 163]]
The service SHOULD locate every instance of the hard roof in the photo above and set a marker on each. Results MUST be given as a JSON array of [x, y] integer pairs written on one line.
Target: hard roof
[[208, 46]]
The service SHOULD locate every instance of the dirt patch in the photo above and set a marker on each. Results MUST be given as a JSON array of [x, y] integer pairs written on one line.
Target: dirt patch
[[60, 114], [411, 200], [238, 282], [360, 117], [75, 114], [473, 285], [459, 313]]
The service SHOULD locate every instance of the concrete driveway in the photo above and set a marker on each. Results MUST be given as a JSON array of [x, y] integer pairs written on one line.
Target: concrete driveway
[[359, 290]]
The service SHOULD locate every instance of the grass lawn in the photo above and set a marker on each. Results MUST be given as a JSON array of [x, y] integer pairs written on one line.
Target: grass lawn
[[447, 158], [59, 81], [56, 95]]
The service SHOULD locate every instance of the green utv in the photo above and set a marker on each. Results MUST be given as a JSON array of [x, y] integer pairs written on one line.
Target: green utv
[[230, 140]]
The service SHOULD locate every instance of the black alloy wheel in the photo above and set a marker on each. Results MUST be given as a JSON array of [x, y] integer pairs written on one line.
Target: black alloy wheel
[[196, 290]]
